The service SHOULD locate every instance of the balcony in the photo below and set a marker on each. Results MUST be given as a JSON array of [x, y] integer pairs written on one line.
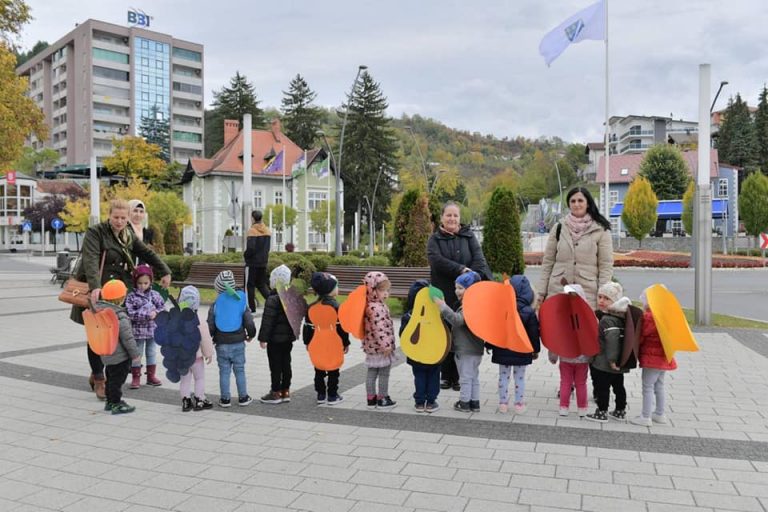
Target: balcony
[[636, 133], [634, 147]]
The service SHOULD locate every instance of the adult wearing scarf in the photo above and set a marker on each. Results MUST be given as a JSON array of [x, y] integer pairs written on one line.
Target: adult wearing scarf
[[137, 219], [114, 243], [453, 250], [579, 250]]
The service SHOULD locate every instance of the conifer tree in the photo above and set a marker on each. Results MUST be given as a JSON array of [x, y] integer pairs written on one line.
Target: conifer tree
[[155, 128], [231, 102], [761, 130], [736, 141], [301, 119], [753, 207], [688, 207], [663, 166], [502, 245], [419, 230], [639, 214], [401, 229]]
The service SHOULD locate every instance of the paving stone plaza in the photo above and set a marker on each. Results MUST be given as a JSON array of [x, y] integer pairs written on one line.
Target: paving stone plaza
[[60, 451]]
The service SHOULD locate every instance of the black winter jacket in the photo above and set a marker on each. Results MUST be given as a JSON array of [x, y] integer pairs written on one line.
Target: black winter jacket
[[257, 246], [247, 328], [449, 255], [415, 288], [275, 327], [309, 330], [524, 294]]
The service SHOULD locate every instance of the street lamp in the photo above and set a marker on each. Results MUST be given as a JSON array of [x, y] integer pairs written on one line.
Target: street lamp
[[371, 204], [421, 156], [722, 84], [339, 220], [333, 162]]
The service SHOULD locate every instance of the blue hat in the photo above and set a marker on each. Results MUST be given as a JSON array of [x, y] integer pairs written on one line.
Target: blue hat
[[467, 279]]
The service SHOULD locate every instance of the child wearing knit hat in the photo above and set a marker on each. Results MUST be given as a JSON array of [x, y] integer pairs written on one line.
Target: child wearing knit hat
[[189, 297], [606, 373], [143, 304]]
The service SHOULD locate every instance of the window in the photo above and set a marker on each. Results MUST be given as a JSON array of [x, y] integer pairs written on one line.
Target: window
[[145, 79], [159, 81], [315, 238], [315, 199], [615, 225], [187, 54], [112, 74], [145, 62], [193, 89], [278, 197], [258, 202], [99, 53], [145, 96], [159, 64], [624, 172], [722, 187], [187, 136], [145, 44], [614, 197]]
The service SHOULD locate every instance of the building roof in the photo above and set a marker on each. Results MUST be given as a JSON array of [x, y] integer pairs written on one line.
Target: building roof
[[632, 165], [61, 187], [594, 146]]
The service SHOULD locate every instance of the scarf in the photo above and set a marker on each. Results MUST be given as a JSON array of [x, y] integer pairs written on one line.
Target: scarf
[[578, 225]]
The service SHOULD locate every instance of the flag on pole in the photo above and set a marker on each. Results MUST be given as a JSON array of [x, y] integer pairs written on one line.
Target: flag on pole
[[275, 165], [588, 23], [299, 167], [320, 169]]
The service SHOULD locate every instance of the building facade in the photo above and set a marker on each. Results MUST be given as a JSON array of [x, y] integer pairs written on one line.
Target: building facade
[[636, 134], [98, 81]]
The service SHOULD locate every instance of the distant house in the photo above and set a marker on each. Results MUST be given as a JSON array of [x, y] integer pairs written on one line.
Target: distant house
[[212, 188], [594, 151], [723, 177], [636, 134]]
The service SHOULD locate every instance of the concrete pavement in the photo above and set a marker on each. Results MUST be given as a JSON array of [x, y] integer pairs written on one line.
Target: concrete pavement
[[60, 451]]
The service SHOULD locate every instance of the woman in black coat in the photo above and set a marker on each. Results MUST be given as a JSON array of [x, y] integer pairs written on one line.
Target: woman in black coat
[[452, 250]]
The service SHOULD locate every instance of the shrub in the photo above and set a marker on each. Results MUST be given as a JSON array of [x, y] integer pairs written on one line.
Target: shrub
[[417, 236], [401, 227], [346, 260], [319, 260], [376, 261], [175, 262], [502, 245], [640, 205]]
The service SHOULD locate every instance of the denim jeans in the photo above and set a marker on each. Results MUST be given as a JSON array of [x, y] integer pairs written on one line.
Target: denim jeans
[[426, 380], [150, 347], [231, 357]]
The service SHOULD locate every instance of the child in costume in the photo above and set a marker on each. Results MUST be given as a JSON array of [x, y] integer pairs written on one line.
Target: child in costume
[[143, 304], [606, 373], [426, 377], [190, 297], [231, 325], [327, 288], [512, 364], [573, 371], [467, 347], [654, 363], [379, 340], [276, 335], [117, 365]]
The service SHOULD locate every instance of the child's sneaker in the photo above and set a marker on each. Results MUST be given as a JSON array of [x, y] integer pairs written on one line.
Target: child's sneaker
[[202, 404], [503, 408], [641, 420], [225, 402], [563, 411], [582, 413], [335, 399], [659, 418], [619, 415], [286, 395], [386, 403], [519, 407], [320, 398], [186, 404], [598, 416], [474, 405], [431, 407], [244, 400], [122, 408], [372, 403], [462, 406], [420, 406], [273, 397], [107, 406]]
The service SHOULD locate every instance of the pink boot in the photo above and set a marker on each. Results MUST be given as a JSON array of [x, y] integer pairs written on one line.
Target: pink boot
[[151, 379], [135, 377]]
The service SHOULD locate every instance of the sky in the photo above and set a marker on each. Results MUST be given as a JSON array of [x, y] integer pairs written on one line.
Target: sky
[[473, 66]]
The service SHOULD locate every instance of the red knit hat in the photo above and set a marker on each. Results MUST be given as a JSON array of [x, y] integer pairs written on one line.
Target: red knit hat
[[142, 270]]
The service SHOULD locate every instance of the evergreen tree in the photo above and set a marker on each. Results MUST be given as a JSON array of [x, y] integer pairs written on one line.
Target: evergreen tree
[[156, 129], [301, 120], [736, 140], [370, 151], [22, 57], [753, 208], [502, 245], [761, 130], [688, 207], [401, 227], [419, 230], [231, 102], [664, 167], [640, 205]]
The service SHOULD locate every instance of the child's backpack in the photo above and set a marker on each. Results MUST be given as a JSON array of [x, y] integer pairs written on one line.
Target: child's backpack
[[229, 309], [633, 324]]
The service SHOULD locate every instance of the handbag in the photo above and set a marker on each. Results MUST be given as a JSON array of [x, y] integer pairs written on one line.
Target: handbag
[[77, 292]]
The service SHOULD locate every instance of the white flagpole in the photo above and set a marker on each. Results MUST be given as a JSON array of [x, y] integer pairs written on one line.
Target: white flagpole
[[285, 228], [607, 125], [328, 203]]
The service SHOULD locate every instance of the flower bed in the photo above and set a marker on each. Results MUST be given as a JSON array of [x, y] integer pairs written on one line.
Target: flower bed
[[653, 259]]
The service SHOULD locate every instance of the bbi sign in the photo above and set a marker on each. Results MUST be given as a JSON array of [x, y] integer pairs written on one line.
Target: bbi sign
[[139, 18]]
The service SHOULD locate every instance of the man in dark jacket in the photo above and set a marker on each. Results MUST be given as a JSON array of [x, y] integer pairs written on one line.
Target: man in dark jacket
[[256, 256]]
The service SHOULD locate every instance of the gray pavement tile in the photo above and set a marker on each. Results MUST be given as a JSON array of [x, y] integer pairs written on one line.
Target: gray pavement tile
[[478, 505], [514, 455], [91, 504], [328, 473], [598, 489], [684, 471], [549, 498], [698, 484], [756, 490], [481, 477], [206, 504], [436, 502], [601, 504], [742, 476], [474, 463], [274, 480], [362, 506], [422, 484], [589, 475], [158, 498], [315, 503], [325, 487], [381, 496], [54, 499], [218, 489], [524, 468], [731, 502], [666, 507], [660, 481], [14, 490], [365, 478], [667, 496]]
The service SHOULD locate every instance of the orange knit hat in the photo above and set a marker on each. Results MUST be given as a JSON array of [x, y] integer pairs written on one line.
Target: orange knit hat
[[114, 289]]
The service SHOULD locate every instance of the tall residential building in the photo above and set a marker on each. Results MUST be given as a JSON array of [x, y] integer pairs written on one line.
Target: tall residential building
[[99, 80], [635, 134]]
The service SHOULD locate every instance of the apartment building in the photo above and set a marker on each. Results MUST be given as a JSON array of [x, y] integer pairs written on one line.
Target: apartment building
[[98, 82], [636, 134]]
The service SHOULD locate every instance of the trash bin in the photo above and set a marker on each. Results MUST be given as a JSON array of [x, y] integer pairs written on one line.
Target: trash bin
[[62, 259]]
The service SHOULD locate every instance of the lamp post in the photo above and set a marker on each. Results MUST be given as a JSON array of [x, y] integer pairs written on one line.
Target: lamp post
[[371, 203], [722, 221], [339, 221], [421, 156], [333, 162], [722, 84]]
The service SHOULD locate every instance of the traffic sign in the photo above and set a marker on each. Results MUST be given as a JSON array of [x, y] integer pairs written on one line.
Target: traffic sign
[[57, 224], [764, 241], [26, 226]]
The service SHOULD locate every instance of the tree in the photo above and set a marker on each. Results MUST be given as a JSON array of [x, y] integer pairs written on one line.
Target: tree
[[168, 213], [688, 207], [75, 216], [20, 117], [753, 207], [14, 14], [640, 205], [664, 167], [736, 140], [502, 245], [31, 161], [419, 230], [318, 218], [156, 129], [277, 216], [133, 157], [22, 57], [401, 226], [231, 102], [370, 151], [46, 210], [301, 120], [761, 130]]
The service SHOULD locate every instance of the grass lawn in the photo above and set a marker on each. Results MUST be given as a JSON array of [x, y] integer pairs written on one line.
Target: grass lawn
[[719, 320]]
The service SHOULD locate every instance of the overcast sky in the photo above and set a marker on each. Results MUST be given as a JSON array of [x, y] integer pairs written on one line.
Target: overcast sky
[[470, 65]]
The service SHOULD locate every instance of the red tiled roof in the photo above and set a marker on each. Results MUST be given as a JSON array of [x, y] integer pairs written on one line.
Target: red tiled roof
[[632, 164], [63, 187], [596, 146]]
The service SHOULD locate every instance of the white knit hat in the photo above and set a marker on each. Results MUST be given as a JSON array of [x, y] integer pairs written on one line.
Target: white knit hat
[[612, 290], [280, 275]]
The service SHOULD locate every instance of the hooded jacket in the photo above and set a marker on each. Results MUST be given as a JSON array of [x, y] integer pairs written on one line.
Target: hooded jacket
[[257, 245], [126, 344], [651, 350], [379, 340], [275, 327], [611, 332], [525, 298], [450, 254]]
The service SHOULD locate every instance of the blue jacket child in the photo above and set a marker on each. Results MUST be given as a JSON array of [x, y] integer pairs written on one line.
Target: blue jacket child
[[515, 362]]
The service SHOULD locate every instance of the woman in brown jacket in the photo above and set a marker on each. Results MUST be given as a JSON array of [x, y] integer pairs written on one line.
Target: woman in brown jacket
[[579, 249]]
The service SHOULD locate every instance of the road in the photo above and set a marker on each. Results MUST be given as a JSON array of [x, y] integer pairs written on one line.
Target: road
[[737, 292]]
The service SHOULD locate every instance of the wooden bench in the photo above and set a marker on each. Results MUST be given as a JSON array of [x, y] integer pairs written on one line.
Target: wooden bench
[[401, 277], [203, 273]]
